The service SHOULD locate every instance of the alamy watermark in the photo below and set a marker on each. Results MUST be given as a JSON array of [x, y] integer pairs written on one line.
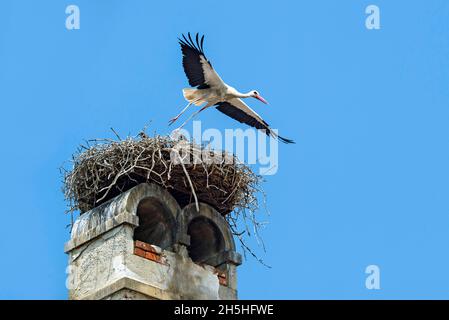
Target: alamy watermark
[[372, 21], [372, 281], [72, 22], [250, 146]]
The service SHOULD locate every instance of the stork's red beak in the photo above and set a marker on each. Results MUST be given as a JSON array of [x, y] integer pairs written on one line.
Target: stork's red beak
[[261, 99]]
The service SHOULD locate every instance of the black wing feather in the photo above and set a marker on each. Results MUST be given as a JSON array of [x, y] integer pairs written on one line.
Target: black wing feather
[[241, 116], [191, 61], [201, 43]]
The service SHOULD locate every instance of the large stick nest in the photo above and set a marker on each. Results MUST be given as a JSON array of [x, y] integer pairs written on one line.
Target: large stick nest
[[191, 173]]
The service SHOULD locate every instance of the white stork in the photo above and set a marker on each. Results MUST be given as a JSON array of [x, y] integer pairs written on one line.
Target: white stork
[[211, 90]]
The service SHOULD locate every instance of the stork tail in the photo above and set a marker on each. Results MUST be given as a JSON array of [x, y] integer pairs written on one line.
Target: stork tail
[[192, 95]]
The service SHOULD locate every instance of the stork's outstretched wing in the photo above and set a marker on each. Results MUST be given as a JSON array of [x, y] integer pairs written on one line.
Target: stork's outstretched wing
[[240, 111], [197, 68]]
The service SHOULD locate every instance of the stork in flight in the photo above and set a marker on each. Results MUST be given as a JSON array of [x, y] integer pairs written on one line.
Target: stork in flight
[[211, 90]]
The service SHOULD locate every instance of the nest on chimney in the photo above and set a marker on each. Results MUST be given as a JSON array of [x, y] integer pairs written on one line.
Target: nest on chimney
[[104, 168]]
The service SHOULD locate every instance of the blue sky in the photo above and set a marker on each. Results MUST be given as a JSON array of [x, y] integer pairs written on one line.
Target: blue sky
[[366, 183]]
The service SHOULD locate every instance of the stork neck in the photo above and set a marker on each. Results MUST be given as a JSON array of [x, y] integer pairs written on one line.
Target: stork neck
[[244, 95]]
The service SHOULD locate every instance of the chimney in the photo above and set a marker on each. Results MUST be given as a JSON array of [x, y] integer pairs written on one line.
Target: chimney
[[143, 245]]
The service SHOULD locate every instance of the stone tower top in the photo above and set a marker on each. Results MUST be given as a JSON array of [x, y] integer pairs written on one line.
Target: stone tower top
[[143, 245]]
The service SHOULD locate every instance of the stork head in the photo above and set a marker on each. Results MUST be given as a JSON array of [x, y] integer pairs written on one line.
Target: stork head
[[256, 95]]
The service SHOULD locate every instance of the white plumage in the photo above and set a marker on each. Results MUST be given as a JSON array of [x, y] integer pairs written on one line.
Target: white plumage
[[211, 90]]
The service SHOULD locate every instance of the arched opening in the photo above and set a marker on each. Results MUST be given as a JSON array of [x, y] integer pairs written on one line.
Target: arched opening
[[156, 225], [206, 240]]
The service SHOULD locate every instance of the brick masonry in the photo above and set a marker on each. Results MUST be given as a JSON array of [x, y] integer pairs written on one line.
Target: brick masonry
[[148, 251]]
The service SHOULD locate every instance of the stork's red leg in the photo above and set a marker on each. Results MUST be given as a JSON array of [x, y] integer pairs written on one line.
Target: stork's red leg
[[172, 120], [193, 115]]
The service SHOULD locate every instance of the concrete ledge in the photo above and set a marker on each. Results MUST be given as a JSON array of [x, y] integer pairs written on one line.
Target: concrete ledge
[[124, 218], [134, 285], [147, 290], [125, 202], [225, 257]]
